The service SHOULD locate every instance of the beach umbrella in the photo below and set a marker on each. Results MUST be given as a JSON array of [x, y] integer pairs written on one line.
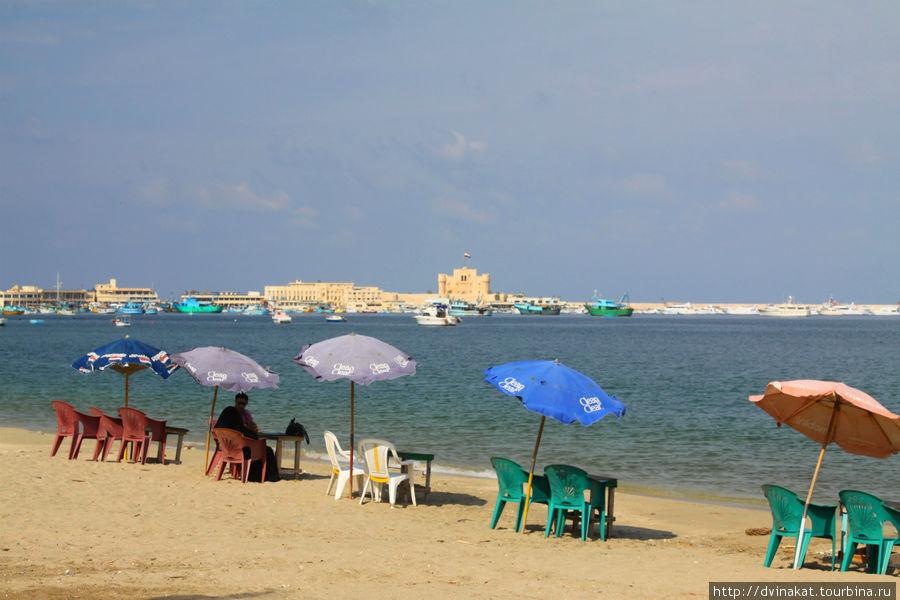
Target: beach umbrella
[[830, 412], [552, 389], [218, 367], [359, 358], [126, 356]]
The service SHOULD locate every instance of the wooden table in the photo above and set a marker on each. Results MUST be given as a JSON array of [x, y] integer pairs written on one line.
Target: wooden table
[[418, 456], [280, 438]]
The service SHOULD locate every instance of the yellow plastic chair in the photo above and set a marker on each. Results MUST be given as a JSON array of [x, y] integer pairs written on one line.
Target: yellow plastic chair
[[377, 454]]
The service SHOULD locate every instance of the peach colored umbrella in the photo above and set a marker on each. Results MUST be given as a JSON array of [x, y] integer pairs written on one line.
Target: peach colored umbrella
[[826, 412]]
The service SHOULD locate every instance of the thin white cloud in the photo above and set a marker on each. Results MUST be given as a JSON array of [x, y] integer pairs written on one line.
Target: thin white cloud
[[646, 185], [740, 202], [304, 216], [241, 196], [461, 148], [746, 170], [458, 209]]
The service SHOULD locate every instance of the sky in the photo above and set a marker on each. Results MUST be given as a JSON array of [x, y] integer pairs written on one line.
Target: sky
[[698, 151]]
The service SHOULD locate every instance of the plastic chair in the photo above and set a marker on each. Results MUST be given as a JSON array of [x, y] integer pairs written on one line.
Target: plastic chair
[[232, 444], [158, 434], [512, 481], [341, 473], [568, 485], [66, 425], [110, 430], [787, 509], [90, 429], [866, 516], [377, 454], [134, 424]]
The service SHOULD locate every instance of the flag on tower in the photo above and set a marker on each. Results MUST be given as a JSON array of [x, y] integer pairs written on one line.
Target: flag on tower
[[467, 255]]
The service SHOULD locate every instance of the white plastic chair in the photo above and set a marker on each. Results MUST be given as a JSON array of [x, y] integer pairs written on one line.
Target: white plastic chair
[[377, 454], [341, 472]]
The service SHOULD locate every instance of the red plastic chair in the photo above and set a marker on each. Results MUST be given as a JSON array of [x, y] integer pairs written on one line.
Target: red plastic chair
[[217, 454], [90, 429], [110, 430], [134, 424], [232, 444], [158, 434], [66, 425]]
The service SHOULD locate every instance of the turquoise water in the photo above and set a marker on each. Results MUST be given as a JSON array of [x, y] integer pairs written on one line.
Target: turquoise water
[[689, 428]]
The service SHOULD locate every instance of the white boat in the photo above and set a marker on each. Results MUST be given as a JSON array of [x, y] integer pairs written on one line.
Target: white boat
[[435, 315], [831, 309], [679, 309], [2, 321], [741, 310], [887, 311], [281, 316], [122, 321], [787, 309], [335, 318]]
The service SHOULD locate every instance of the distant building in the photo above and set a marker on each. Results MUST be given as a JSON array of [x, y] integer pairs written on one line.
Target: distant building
[[226, 300], [31, 296], [303, 295], [465, 284], [111, 293]]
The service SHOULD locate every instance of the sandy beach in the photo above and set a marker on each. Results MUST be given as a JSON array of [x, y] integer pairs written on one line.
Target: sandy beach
[[82, 529]]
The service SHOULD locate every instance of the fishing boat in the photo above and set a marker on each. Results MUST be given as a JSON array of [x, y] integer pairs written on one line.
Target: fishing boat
[[458, 308], [435, 315], [601, 307], [192, 305], [335, 319], [527, 308], [281, 317], [254, 310], [122, 321], [12, 310], [131, 308]]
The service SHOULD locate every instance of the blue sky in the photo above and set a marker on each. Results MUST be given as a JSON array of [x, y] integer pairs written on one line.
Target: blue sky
[[702, 151]]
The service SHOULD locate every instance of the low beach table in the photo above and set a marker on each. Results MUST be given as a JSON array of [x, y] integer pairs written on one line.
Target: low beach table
[[179, 431], [611, 484], [280, 438], [422, 457]]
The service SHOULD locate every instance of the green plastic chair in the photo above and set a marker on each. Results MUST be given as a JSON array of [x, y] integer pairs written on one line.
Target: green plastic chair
[[787, 509], [866, 515], [512, 480], [567, 487]]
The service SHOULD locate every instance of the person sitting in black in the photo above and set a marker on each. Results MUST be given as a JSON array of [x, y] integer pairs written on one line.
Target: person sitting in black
[[232, 417]]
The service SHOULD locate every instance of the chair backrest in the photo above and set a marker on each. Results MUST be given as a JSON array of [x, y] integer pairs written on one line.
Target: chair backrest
[[231, 443], [66, 419], [510, 476], [333, 447], [786, 507], [109, 426], [567, 484], [134, 424], [866, 514], [90, 424], [376, 454], [157, 429]]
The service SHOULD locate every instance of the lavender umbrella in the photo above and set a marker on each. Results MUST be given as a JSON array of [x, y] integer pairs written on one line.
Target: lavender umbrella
[[359, 358], [214, 366]]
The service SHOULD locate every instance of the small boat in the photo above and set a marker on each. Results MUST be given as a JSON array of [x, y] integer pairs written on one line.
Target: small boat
[[527, 308], [11, 310], [335, 319], [2, 321], [254, 310], [122, 321], [131, 308], [281, 317], [192, 305], [435, 315], [679, 309], [35, 321], [601, 307], [458, 308], [833, 309], [741, 310]]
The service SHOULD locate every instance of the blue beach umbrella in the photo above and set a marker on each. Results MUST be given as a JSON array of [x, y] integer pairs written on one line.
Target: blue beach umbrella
[[552, 389], [126, 356]]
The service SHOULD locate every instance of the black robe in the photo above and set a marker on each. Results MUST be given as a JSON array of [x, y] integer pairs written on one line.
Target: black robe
[[231, 419]]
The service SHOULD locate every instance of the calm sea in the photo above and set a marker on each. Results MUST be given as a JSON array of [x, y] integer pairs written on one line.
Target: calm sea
[[689, 428]]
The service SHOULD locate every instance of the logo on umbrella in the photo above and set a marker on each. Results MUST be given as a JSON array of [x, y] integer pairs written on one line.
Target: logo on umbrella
[[311, 361], [190, 367], [511, 385], [216, 377], [342, 369], [591, 404], [379, 368], [250, 377], [400, 360]]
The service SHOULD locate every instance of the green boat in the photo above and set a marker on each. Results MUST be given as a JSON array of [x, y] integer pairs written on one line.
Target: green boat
[[601, 307], [192, 305]]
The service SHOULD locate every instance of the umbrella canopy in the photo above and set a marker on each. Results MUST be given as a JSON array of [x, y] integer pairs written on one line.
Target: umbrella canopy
[[359, 358], [126, 356], [215, 366], [830, 412], [552, 389]]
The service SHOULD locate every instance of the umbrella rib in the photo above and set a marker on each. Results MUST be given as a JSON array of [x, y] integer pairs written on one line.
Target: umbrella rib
[[809, 403], [880, 429]]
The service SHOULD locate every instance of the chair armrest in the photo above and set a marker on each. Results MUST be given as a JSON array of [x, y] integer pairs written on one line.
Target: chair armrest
[[894, 515]]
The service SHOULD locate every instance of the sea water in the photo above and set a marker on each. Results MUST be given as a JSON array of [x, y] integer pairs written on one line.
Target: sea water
[[689, 428]]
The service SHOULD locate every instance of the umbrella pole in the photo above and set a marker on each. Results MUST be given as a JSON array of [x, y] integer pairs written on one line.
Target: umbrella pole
[[126, 389], [829, 436], [531, 473], [352, 390], [209, 425]]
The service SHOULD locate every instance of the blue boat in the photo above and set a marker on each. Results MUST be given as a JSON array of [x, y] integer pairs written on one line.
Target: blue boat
[[131, 308], [458, 308], [528, 308]]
